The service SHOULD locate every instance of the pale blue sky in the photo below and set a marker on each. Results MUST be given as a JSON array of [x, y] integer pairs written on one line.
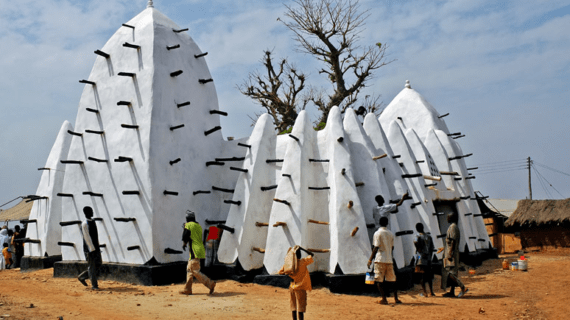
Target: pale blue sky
[[500, 68]]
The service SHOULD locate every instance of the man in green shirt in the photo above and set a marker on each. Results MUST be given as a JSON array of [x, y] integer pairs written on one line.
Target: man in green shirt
[[193, 235]]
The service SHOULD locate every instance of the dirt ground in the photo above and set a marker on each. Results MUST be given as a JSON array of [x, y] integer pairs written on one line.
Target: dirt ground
[[540, 293]]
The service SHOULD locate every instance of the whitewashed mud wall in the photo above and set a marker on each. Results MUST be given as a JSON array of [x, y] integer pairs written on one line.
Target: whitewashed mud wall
[[46, 211], [312, 176], [147, 145]]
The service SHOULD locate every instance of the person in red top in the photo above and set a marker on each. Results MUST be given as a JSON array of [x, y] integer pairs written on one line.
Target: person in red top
[[301, 281]]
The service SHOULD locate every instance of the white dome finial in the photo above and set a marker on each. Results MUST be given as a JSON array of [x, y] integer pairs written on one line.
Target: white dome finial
[[150, 4], [408, 84]]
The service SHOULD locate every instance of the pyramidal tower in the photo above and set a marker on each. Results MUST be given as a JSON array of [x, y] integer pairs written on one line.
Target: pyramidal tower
[[147, 145]]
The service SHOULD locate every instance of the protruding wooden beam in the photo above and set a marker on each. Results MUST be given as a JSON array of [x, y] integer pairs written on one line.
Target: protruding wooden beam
[[237, 203], [281, 201], [214, 163], [42, 169], [124, 103], [228, 229], [214, 129], [170, 193], [93, 194], [319, 188], [69, 223], [222, 113], [340, 139], [405, 232], [449, 173], [269, 188], [280, 224], [432, 178], [130, 45], [128, 26], [380, 156], [350, 204], [119, 219], [92, 110], [183, 104], [73, 133], [179, 30], [273, 160], [359, 184], [201, 192], [131, 192], [239, 169], [174, 161], [470, 177], [129, 126], [413, 175], [222, 189], [69, 195], [176, 46], [260, 250], [131, 248], [66, 244], [203, 81], [71, 161], [318, 222], [127, 74], [244, 145], [176, 73], [354, 231], [200, 55], [87, 82], [176, 127], [319, 250], [461, 136], [97, 160], [102, 54], [262, 224], [319, 160], [293, 137], [445, 115], [123, 159]]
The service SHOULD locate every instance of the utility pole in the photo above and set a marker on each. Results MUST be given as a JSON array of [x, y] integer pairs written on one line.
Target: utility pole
[[529, 162]]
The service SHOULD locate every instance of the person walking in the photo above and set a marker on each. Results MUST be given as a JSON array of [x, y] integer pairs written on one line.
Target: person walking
[[424, 253], [450, 272], [296, 269], [91, 249], [383, 263], [193, 235]]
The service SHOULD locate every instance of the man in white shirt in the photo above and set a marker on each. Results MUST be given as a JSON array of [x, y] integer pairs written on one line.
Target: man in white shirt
[[382, 210], [383, 264], [91, 249]]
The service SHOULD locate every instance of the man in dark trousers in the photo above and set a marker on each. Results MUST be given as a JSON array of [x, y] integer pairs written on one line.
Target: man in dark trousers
[[450, 272], [18, 246], [193, 235], [91, 249]]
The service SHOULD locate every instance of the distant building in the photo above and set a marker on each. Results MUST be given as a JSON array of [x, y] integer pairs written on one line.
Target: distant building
[[543, 224]]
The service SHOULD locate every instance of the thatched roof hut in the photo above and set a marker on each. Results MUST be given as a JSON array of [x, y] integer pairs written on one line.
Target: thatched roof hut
[[540, 212]]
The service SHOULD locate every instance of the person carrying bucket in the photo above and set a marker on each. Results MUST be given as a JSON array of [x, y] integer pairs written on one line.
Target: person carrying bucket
[[296, 269]]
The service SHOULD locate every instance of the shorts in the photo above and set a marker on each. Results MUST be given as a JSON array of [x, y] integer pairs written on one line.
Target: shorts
[[384, 271], [298, 300]]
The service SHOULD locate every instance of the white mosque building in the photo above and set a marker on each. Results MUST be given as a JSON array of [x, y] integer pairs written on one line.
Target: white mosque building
[[147, 145]]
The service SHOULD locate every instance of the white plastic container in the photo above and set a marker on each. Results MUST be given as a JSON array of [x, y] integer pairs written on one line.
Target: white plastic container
[[514, 266], [522, 265]]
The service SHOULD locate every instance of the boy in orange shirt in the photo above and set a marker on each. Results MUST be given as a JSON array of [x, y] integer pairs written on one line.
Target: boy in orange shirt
[[7, 255], [301, 281]]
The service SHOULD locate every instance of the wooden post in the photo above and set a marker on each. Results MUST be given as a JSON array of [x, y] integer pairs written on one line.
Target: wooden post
[[529, 163], [318, 222], [354, 231]]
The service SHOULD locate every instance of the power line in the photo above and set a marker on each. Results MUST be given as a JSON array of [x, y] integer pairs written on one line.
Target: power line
[[549, 168], [550, 184], [506, 161]]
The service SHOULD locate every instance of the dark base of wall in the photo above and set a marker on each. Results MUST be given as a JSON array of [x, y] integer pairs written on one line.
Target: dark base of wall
[[165, 274], [35, 263], [131, 273]]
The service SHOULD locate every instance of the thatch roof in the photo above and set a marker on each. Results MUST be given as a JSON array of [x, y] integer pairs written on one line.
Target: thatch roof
[[539, 212], [17, 212]]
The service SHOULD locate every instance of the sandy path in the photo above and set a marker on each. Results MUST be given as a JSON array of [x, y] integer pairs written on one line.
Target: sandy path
[[540, 293]]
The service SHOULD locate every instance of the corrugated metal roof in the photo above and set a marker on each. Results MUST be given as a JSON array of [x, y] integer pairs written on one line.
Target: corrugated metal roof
[[505, 207], [18, 212]]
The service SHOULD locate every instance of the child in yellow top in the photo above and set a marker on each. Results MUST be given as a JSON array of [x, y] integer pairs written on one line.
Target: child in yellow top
[[301, 282], [7, 255]]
